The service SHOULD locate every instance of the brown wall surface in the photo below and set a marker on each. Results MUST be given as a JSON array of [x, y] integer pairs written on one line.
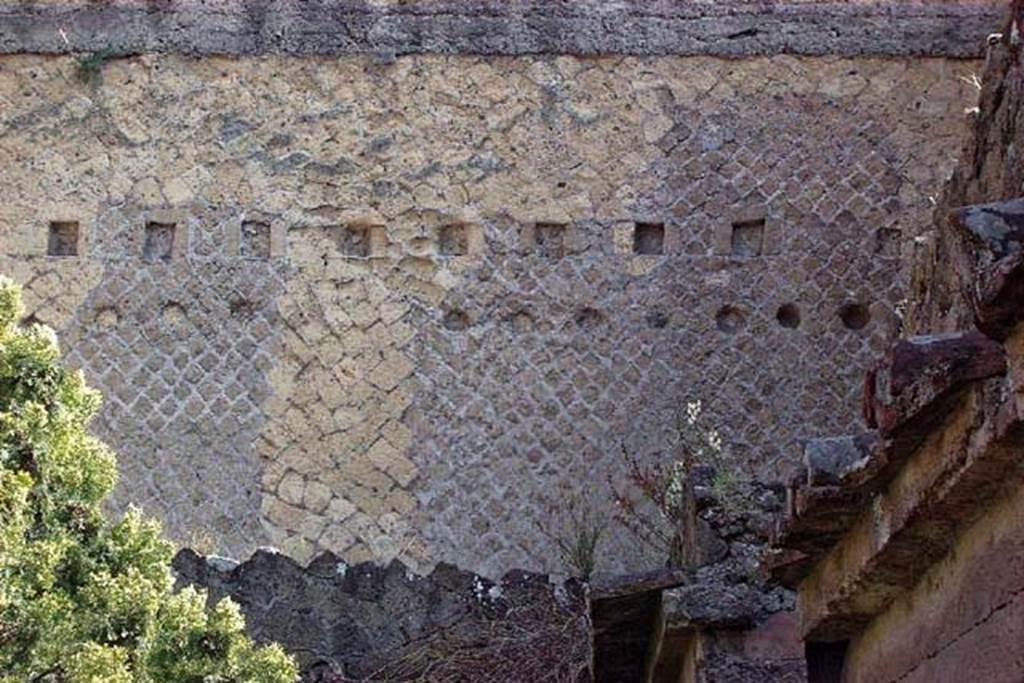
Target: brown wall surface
[[361, 341], [964, 621]]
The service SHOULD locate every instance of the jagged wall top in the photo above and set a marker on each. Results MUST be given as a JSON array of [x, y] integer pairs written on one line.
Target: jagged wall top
[[990, 169], [737, 28]]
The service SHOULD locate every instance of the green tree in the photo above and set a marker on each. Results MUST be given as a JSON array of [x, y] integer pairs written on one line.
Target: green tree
[[84, 599]]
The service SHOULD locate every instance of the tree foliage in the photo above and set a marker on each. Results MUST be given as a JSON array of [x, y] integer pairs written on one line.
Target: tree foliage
[[84, 599]]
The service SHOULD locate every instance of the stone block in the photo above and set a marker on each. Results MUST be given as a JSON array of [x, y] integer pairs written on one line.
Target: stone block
[[282, 514], [997, 232], [917, 374], [316, 496], [828, 460]]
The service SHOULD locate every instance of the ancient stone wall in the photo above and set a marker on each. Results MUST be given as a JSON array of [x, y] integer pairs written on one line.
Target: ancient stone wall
[[394, 305]]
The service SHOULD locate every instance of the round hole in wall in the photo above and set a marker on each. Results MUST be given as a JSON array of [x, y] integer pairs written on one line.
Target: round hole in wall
[[456, 320], [522, 321], [243, 309], [729, 319], [657, 319], [855, 316], [589, 318], [788, 316]]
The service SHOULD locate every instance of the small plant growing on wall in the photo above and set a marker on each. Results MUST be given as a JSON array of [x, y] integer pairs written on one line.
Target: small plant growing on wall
[[658, 501], [84, 599], [576, 531], [90, 66]]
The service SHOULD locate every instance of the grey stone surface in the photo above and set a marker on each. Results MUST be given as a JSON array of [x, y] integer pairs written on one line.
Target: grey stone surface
[[637, 27], [369, 621], [828, 459], [998, 226]]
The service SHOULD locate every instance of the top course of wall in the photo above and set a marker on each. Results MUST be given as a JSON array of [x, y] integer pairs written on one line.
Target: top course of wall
[[389, 28]]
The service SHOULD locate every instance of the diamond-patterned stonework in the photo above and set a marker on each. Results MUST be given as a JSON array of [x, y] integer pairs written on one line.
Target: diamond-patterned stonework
[[182, 350], [405, 310]]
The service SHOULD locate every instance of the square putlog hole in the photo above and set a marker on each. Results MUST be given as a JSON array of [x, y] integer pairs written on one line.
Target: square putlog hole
[[748, 238], [354, 241], [159, 242], [549, 239], [453, 240], [649, 238], [255, 240], [63, 239]]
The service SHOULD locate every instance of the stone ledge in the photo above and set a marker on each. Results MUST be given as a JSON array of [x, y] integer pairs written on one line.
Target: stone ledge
[[972, 456], [824, 499], [905, 392], [908, 395], [493, 27]]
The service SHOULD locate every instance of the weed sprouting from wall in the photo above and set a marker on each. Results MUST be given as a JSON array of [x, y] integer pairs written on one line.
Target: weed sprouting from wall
[[89, 67], [658, 502], [577, 532]]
